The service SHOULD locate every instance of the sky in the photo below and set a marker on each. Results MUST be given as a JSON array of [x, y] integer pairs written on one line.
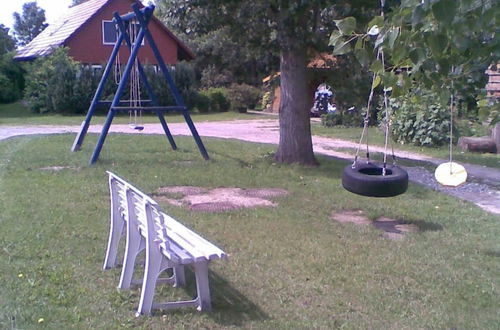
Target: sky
[[53, 9]]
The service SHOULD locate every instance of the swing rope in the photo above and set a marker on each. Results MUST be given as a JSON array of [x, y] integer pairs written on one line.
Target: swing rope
[[135, 86], [117, 67], [366, 121], [451, 125], [381, 57]]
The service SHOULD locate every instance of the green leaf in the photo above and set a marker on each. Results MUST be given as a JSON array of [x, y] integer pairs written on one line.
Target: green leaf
[[390, 79], [334, 37], [378, 21], [377, 67], [417, 16], [445, 10], [359, 44], [342, 49], [376, 81], [437, 43], [417, 56], [362, 56], [347, 25], [380, 40], [392, 36], [409, 3]]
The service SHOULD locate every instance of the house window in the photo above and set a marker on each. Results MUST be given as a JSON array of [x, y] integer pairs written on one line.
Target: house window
[[110, 33], [96, 69]]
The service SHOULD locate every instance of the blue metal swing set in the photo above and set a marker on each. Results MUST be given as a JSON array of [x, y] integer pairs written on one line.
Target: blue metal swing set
[[143, 17]]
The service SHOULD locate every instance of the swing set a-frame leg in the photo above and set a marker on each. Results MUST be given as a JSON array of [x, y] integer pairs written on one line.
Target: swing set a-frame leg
[[77, 144], [143, 20]]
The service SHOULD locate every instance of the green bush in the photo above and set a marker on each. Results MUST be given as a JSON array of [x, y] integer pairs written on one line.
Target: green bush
[[11, 79], [420, 120], [345, 118], [266, 101], [203, 102], [185, 80], [51, 84], [243, 97], [217, 98]]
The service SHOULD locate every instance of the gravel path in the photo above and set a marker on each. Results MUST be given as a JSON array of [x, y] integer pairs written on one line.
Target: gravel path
[[483, 188]]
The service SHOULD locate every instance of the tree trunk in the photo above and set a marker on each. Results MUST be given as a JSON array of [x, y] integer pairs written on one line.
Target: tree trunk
[[295, 145]]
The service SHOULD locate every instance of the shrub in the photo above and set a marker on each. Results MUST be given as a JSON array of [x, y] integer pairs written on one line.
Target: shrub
[[420, 120], [347, 118], [243, 97], [203, 102], [11, 79], [51, 84], [218, 99], [184, 78], [211, 77], [266, 101]]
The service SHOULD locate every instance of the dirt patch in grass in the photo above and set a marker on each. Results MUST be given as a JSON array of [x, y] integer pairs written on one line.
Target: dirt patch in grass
[[219, 199], [59, 168], [392, 229], [354, 216]]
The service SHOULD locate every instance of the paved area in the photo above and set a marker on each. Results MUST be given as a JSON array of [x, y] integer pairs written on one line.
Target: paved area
[[483, 190]]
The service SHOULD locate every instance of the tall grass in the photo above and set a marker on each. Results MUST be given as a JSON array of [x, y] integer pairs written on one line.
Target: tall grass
[[290, 267]]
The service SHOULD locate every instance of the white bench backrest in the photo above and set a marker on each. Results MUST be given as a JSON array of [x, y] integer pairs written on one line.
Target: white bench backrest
[[176, 241]]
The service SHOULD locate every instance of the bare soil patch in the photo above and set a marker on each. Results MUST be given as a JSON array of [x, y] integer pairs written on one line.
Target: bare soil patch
[[354, 216], [59, 168], [392, 229], [219, 199]]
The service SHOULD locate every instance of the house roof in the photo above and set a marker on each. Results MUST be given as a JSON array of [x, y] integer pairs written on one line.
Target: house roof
[[62, 29]]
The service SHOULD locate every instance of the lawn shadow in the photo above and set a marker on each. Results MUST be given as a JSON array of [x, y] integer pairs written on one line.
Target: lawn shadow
[[229, 306], [492, 253], [426, 225]]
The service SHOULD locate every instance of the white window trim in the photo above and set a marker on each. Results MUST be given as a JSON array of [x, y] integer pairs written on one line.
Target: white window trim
[[102, 33], [113, 43]]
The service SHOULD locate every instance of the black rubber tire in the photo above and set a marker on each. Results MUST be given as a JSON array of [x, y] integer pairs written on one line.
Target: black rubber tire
[[366, 179]]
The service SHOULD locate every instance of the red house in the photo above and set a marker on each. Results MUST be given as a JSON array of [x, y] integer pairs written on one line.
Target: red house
[[89, 33]]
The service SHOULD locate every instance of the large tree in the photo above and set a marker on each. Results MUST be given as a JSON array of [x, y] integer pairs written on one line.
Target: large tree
[[7, 43], [30, 23], [291, 27]]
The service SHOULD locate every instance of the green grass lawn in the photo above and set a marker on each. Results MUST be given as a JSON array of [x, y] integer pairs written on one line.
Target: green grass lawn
[[17, 114], [290, 267], [376, 137]]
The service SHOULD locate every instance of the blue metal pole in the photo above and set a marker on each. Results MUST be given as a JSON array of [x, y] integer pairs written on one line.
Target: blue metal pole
[[118, 94], [77, 144], [148, 11], [147, 85]]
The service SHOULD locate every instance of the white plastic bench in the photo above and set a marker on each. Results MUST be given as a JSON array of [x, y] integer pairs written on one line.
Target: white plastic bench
[[168, 244]]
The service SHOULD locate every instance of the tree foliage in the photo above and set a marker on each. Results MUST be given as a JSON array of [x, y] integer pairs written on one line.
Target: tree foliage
[[30, 23], [446, 45], [266, 29], [11, 73], [7, 43]]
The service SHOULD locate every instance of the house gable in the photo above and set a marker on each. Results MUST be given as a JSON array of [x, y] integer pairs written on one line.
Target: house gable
[[81, 30]]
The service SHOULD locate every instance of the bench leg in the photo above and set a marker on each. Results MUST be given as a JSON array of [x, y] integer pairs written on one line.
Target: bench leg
[[115, 233], [202, 287], [179, 276], [151, 273], [135, 244]]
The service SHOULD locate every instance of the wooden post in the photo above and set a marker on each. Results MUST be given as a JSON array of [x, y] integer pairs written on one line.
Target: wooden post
[[495, 136]]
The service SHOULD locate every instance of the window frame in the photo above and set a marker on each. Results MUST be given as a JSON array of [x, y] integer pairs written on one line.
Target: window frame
[[104, 42]]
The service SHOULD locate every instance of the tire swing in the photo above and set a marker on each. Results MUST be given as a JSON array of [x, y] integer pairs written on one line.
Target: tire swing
[[369, 178]]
